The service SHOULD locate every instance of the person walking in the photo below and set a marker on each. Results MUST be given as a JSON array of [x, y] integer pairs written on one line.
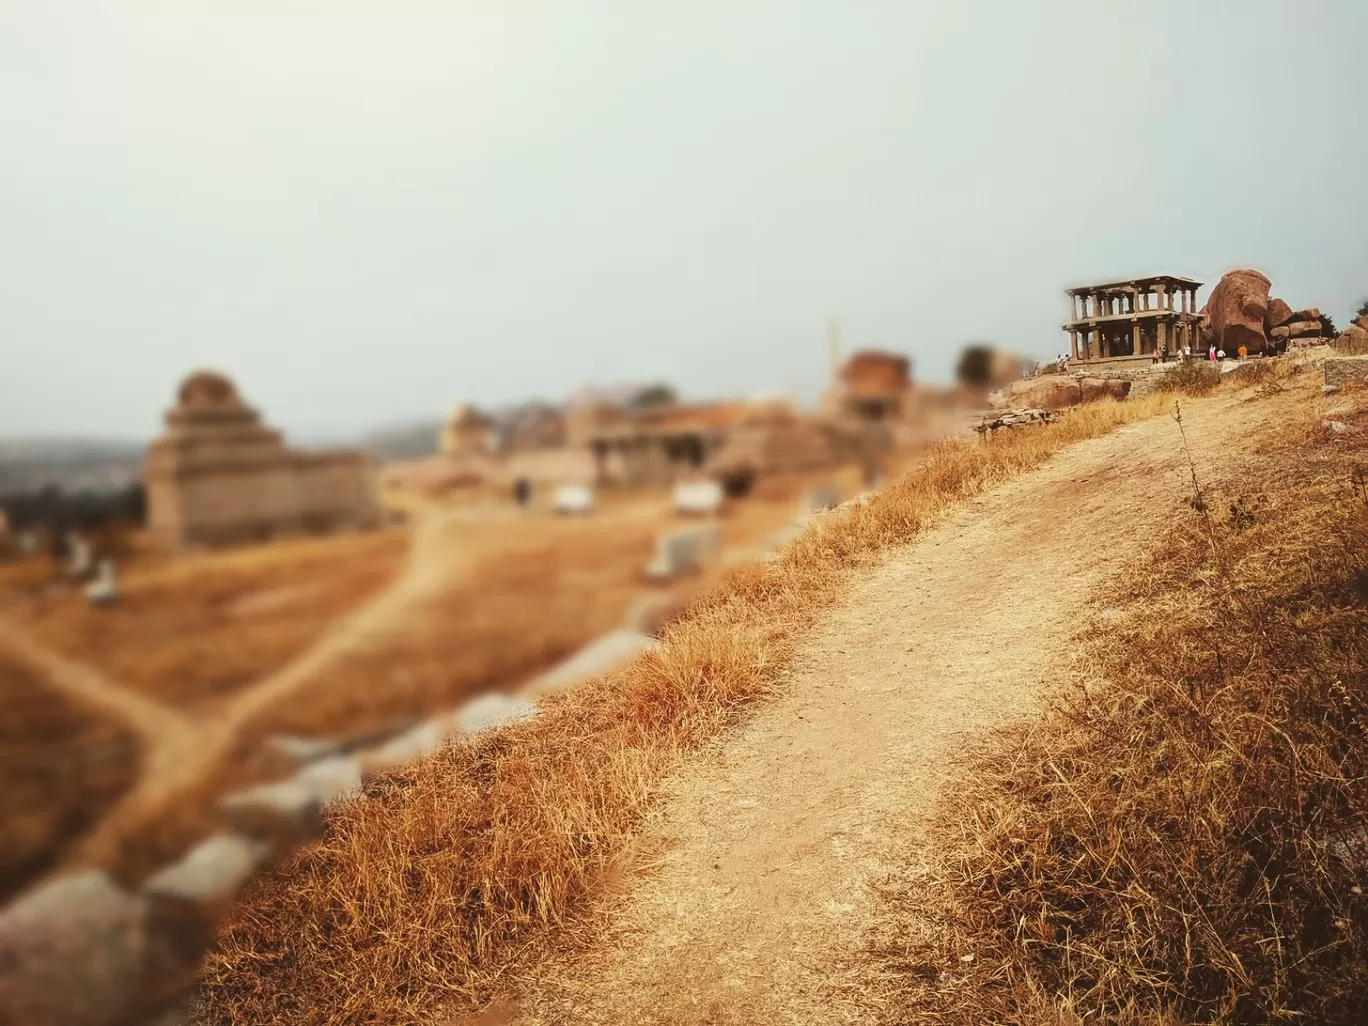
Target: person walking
[[1243, 351], [1155, 358], [1211, 355], [1187, 353]]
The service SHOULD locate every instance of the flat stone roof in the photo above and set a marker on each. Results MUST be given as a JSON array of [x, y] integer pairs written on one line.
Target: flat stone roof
[[1136, 283]]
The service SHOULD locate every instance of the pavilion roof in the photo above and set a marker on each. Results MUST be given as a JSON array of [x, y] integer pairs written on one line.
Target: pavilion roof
[[1137, 283]]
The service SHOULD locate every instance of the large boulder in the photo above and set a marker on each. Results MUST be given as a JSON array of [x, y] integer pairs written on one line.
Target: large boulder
[[1093, 389], [1354, 337], [1298, 329], [1236, 310], [1049, 392], [1278, 313]]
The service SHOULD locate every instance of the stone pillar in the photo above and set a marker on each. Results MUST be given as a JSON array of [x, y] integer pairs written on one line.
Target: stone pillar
[[1161, 334], [1135, 332]]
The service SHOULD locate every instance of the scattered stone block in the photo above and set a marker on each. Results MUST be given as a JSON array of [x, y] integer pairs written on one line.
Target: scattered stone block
[[104, 590], [493, 710], [409, 746], [651, 611], [1334, 427], [1013, 418], [821, 499], [684, 551], [80, 556], [304, 749], [213, 870], [72, 952], [291, 810], [698, 498], [1329, 389], [1340, 370], [604, 654], [573, 499], [333, 779]]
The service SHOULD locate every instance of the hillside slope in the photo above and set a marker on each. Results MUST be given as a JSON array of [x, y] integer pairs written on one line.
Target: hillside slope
[[769, 856]]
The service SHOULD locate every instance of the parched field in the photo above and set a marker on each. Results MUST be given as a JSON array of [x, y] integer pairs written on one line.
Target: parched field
[[326, 636], [62, 767]]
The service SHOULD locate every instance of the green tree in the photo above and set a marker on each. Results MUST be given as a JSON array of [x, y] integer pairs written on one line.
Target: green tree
[[1362, 310], [1328, 329], [654, 395]]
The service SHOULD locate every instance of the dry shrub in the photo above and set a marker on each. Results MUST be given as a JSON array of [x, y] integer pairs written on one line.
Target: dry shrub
[[1190, 377], [439, 875], [1183, 839]]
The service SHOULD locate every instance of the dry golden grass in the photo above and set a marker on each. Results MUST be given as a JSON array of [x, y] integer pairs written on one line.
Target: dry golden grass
[[62, 768], [1183, 838], [196, 629], [439, 875]]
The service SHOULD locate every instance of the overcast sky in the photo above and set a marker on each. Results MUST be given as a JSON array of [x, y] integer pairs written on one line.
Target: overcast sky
[[367, 212]]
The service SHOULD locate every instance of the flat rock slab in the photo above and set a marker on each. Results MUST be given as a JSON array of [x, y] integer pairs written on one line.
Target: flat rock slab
[[72, 952], [1340, 370], [604, 654]]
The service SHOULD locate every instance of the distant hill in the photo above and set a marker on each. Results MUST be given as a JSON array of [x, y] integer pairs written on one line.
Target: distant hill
[[403, 442], [71, 464]]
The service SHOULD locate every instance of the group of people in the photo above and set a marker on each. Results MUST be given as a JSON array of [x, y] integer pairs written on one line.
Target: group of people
[[1213, 354]]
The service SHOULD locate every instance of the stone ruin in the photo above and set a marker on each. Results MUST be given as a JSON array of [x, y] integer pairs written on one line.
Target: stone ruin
[[573, 499], [684, 551], [219, 476], [467, 432], [104, 589], [821, 499], [1355, 337], [698, 498], [1122, 322]]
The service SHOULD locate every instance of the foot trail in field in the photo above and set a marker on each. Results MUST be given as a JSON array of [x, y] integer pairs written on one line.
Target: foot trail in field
[[771, 849]]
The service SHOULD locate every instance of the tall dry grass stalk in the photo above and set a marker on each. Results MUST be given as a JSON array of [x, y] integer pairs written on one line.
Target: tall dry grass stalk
[[1185, 838], [426, 886]]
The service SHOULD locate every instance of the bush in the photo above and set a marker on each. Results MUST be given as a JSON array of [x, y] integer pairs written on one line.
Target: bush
[[1191, 377]]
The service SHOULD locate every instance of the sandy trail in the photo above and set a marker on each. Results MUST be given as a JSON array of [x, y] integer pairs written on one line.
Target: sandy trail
[[176, 762], [769, 852], [147, 717]]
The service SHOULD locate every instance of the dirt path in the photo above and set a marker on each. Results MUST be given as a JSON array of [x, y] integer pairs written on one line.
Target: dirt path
[[147, 717], [769, 853], [175, 762]]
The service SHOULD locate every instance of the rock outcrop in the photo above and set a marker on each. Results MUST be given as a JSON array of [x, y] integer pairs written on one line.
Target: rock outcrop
[[1049, 392], [1354, 337], [1093, 389], [1236, 310], [1279, 313]]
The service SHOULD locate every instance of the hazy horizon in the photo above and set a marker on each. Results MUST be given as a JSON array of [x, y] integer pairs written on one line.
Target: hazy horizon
[[367, 217]]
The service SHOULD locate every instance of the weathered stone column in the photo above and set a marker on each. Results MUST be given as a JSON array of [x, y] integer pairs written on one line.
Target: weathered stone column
[[1161, 334], [1135, 332]]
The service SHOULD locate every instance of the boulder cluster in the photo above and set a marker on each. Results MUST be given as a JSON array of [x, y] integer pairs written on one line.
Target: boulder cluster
[[1354, 337], [1241, 312], [1058, 392]]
